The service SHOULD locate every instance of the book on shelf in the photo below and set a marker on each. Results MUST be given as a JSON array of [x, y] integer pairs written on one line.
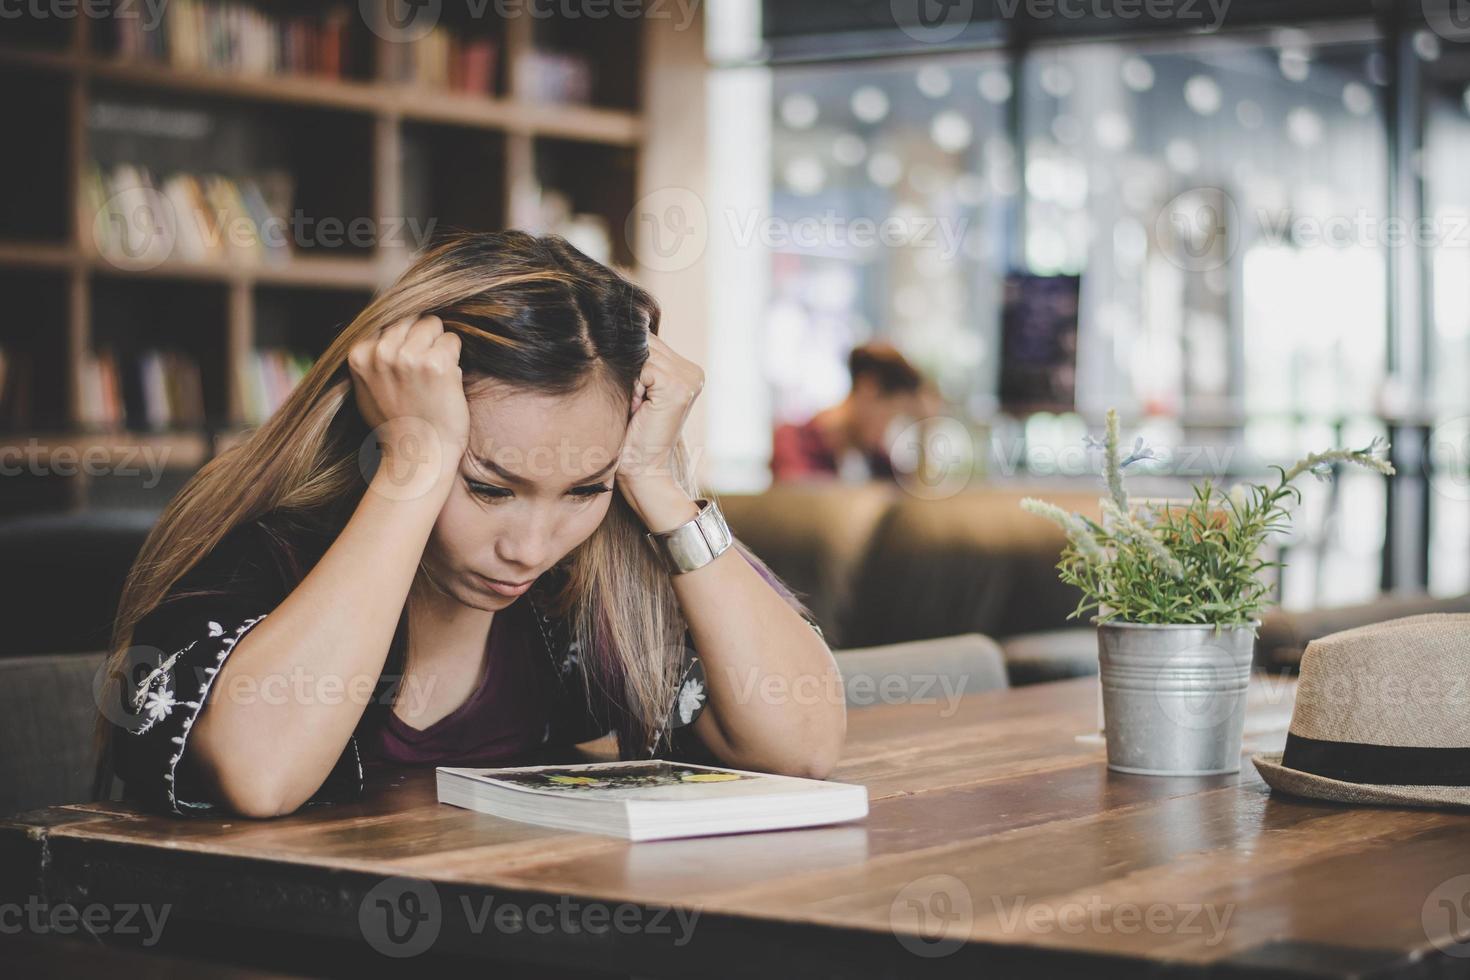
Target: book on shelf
[[15, 387], [225, 36], [554, 76], [651, 800], [135, 217], [444, 59], [169, 389], [268, 376], [101, 391]]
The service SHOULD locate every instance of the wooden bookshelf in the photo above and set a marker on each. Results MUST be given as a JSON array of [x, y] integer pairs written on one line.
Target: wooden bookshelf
[[364, 144]]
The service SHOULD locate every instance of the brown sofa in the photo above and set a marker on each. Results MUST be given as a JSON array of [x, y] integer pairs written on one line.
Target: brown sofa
[[877, 565]]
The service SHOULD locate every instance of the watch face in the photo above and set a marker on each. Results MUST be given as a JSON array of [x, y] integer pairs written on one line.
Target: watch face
[[688, 549], [716, 532]]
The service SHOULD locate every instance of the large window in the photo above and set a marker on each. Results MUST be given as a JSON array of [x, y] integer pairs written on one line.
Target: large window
[[1446, 171], [1224, 199], [1220, 200], [891, 191]]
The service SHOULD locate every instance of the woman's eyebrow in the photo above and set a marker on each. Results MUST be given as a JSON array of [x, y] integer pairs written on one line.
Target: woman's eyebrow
[[509, 477]]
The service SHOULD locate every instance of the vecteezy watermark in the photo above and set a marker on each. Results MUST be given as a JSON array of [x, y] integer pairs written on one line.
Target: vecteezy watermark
[[1201, 229], [1449, 19], [940, 21], [1208, 15], [405, 21], [131, 919], [859, 688], [150, 11], [932, 916], [1446, 458], [36, 458], [830, 231], [402, 458], [1097, 916], [668, 229], [139, 228], [130, 692], [403, 917], [1446, 916]]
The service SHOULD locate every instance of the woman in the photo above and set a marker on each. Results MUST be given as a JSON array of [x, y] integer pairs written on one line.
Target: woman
[[468, 536]]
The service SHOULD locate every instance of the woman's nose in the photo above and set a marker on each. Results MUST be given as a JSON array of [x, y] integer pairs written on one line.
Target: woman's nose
[[527, 543]]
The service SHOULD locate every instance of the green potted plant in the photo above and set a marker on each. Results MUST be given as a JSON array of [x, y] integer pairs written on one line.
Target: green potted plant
[[1177, 589]]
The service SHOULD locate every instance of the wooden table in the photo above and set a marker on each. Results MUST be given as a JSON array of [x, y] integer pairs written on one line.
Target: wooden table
[[998, 845]]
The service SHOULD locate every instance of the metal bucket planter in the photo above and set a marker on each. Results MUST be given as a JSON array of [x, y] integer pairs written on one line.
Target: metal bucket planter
[[1174, 697]]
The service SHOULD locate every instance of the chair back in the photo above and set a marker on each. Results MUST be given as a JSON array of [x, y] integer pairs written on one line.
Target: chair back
[[936, 671], [47, 718]]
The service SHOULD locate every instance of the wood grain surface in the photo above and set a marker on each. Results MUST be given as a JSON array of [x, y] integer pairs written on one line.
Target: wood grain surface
[[997, 840]]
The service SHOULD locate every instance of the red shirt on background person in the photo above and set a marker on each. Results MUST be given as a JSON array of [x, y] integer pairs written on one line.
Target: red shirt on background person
[[850, 438]]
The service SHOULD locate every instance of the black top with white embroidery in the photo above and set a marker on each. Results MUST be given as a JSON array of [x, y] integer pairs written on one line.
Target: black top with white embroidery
[[181, 645]]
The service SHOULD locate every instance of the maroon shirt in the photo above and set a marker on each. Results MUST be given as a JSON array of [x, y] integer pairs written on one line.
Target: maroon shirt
[[800, 452], [503, 720]]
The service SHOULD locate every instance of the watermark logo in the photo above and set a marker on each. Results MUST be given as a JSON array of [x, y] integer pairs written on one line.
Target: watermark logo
[[401, 21], [932, 21], [932, 916], [401, 458], [403, 917], [1199, 230], [141, 921], [116, 687], [136, 228], [1096, 916], [668, 229], [1446, 917], [934, 458], [1450, 19], [1202, 687], [36, 458], [400, 917], [1446, 458]]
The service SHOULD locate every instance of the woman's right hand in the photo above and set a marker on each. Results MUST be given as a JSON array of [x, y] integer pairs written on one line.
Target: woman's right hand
[[409, 389]]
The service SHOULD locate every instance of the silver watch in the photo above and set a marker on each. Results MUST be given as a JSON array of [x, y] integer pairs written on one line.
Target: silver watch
[[695, 543]]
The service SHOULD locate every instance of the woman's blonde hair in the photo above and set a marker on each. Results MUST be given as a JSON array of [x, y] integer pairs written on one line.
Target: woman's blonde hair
[[530, 311]]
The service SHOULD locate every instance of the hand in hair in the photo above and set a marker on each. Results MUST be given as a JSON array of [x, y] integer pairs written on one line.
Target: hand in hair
[[661, 401], [409, 388]]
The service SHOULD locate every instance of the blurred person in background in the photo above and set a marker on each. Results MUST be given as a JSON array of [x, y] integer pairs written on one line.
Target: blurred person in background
[[850, 440]]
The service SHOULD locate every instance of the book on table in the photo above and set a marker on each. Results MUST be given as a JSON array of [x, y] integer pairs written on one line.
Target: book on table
[[651, 800]]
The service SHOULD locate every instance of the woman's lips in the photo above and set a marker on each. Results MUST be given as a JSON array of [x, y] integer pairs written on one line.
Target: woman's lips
[[509, 589]]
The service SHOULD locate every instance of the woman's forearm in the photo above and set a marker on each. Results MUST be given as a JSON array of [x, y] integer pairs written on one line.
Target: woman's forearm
[[775, 696], [266, 755]]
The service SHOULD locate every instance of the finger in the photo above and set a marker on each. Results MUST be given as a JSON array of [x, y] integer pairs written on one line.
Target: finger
[[392, 337], [423, 333], [447, 342]]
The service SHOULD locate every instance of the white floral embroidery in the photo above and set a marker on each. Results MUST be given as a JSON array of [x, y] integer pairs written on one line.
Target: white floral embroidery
[[159, 704], [159, 672], [215, 629], [690, 697], [175, 804]]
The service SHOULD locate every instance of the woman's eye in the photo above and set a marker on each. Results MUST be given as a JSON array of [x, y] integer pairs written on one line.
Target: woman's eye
[[487, 491], [588, 492]]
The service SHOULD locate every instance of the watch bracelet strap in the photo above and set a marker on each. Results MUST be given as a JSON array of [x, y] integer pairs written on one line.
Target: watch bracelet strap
[[696, 542]]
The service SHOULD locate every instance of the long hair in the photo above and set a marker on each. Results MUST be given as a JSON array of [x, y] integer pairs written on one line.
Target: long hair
[[530, 311]]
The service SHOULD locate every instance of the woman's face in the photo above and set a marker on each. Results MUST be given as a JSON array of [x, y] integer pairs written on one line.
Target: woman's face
[[535, 482]]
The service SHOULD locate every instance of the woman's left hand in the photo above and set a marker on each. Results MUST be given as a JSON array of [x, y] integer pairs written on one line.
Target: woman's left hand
[[662, 398]]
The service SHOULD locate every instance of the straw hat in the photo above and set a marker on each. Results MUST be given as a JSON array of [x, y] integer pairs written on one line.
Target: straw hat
[[1382, 715]]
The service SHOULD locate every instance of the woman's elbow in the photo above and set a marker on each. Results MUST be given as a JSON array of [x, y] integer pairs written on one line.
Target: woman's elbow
[[242, 789], [821, 749]]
